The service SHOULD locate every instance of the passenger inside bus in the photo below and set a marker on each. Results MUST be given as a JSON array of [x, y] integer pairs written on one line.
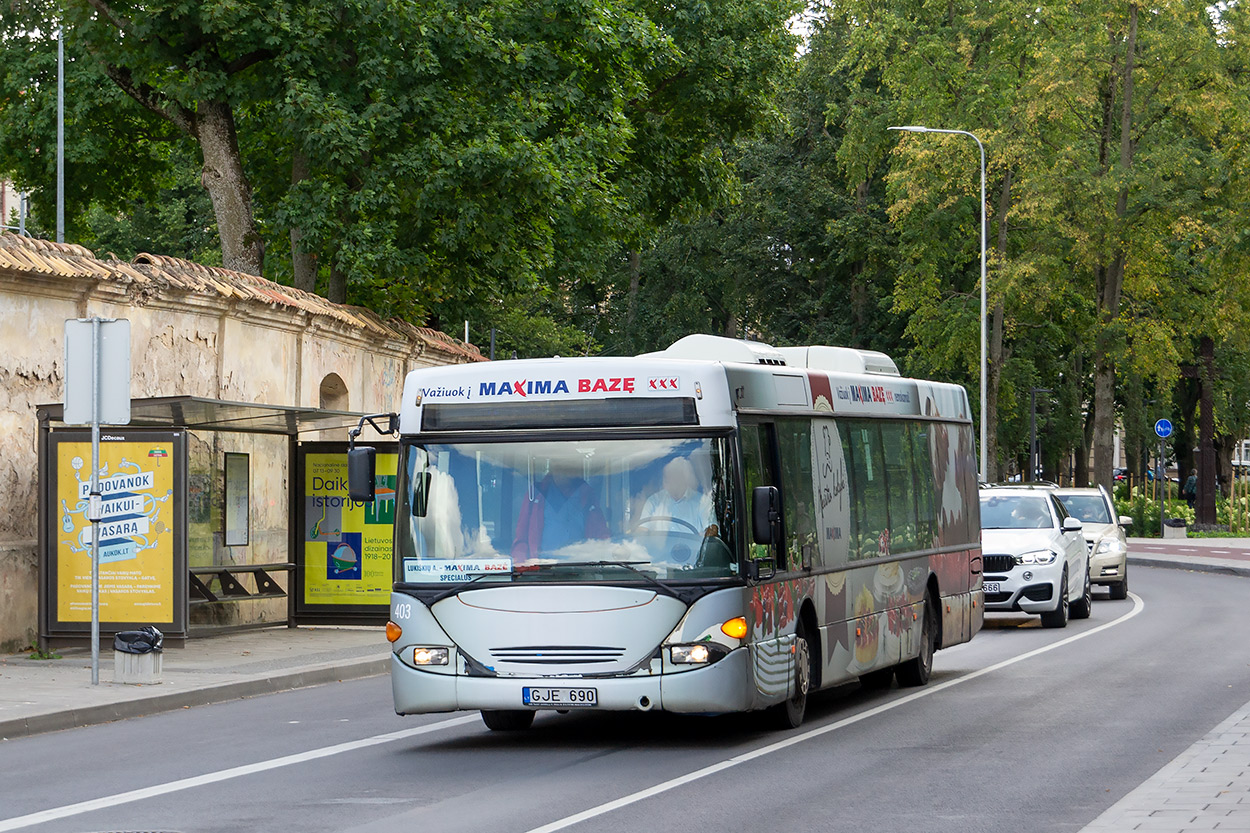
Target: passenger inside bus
[[561, 510], [679, 505]]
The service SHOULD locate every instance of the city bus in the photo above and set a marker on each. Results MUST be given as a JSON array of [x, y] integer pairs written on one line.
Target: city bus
[[723, 526]]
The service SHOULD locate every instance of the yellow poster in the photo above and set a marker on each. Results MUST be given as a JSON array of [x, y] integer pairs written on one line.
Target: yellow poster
[[136, 531], [347, 545]]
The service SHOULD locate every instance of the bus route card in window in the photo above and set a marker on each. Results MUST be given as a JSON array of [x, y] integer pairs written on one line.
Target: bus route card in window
[[563, 698]]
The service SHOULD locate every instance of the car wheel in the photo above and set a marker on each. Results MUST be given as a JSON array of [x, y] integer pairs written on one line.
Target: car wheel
[[1082, 607], [790, 714], [1119, 590], [1058, 618], [508, 720], [916, 671]]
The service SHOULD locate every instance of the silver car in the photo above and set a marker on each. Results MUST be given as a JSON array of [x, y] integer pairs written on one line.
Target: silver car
[[1104, 536], [1034, 558]]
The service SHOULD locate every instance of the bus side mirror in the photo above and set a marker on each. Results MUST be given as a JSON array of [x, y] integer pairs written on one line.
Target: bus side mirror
[[765, 514], [361, 469]]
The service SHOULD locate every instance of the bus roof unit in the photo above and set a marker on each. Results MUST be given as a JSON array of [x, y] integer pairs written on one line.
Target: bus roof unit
[[839, 360]]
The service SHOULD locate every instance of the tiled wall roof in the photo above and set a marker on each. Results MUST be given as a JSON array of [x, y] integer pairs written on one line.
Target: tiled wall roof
[[27, 254]]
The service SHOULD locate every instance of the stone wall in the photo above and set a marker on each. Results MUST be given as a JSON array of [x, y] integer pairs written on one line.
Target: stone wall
[[195, 331]]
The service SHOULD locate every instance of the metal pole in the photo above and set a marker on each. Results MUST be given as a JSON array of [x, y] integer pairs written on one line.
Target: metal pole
[[94, 500], [60, 137], [1159, 465], [984, 362], [21, 214], [1032, 430], [492, 344]]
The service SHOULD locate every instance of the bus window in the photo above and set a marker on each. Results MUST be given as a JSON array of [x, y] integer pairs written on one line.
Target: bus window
[[896, 443], [922, 462], [794, 442], [868, 489], [757, 470]]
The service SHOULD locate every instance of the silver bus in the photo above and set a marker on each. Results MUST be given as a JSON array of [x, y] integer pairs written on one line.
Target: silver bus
[[722, 526]]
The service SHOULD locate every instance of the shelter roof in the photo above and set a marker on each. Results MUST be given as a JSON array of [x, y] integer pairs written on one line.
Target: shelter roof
[[203, 414]]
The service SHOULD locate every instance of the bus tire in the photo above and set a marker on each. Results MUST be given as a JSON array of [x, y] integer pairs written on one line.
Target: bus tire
[[790, 714], [508, 720], [916, 671], [1058, 618]]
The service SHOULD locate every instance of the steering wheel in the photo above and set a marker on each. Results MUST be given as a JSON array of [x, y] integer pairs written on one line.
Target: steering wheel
[[671, 519]]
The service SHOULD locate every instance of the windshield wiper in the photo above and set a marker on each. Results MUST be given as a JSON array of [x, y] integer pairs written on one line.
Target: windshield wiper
[[627, 565]]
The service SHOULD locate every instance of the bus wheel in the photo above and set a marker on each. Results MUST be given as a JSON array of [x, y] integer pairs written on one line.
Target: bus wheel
[[790, 714], [508, 720], [916, 671]]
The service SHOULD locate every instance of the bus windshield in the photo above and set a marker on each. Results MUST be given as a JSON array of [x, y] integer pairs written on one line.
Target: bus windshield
[[570, 510]]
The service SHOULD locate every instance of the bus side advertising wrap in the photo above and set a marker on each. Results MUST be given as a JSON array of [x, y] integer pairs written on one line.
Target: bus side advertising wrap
[[346, 544]]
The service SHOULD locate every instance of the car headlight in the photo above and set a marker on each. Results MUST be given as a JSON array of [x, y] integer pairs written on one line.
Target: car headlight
[[1110, 545], [1037, 557], [700, 653]]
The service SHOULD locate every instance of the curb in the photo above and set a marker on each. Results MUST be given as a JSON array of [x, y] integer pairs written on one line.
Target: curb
[[1207, 566], [207, 695]]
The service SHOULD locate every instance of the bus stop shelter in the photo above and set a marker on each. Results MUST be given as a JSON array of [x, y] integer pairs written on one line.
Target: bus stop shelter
[[217, 515]]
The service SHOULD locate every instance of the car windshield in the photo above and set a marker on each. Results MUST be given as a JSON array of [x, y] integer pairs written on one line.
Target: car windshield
[[614, 510], [1088, 509], [1006, 511]]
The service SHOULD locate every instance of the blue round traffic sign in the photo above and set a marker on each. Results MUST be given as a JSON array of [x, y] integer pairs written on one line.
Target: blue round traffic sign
[[1163, 428]]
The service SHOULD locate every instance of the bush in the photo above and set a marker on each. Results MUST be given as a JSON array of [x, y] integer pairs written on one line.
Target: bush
[[1144, 510]]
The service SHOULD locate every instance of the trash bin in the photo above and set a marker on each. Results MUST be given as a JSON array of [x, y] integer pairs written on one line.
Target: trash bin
[[1175, 528], [137, 656]]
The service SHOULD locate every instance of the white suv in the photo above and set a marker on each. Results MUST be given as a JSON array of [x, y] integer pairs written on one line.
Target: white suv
[[1104, 535], [1034, 557]]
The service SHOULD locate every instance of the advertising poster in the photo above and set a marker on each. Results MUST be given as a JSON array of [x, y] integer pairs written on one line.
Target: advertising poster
[[347, 545], [137, 530]]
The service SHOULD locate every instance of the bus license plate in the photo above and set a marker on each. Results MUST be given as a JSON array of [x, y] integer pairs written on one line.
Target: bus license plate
[[993, 587], [563, 698]]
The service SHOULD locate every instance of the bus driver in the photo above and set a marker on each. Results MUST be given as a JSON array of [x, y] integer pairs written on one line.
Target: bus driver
[[679, 505]]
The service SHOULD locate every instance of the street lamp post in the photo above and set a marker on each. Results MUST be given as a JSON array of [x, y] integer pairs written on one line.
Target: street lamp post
[[1034, 451], [916, 128]]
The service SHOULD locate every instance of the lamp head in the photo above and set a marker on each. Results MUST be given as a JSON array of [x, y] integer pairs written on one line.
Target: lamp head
[[911, 128]]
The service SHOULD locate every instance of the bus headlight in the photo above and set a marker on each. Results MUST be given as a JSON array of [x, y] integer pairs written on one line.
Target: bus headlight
[[1037, 557], [699, 653], [430, 656]]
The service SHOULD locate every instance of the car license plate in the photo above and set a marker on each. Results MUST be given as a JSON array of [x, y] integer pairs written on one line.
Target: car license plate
[[563, 698], [993, 587]]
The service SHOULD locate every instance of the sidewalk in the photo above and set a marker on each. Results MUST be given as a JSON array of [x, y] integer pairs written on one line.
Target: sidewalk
[[49, 695], [1208, 555]]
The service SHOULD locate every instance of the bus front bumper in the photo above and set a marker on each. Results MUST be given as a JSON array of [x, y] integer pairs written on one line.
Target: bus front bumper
[[724, 686]]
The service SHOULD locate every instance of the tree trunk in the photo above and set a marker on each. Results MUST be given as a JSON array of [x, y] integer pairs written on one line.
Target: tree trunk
[[1110, 284], [994, 350], [635, 271], [303, 263], [337, 291], [227, 186]]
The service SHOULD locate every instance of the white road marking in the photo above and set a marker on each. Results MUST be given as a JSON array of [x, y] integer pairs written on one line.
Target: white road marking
[[108, 801], [682, 780]]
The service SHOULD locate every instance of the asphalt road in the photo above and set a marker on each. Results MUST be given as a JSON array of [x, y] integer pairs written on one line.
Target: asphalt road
[[1022, 729]]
